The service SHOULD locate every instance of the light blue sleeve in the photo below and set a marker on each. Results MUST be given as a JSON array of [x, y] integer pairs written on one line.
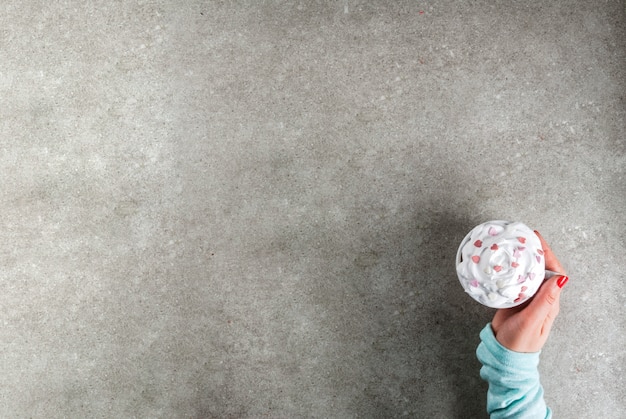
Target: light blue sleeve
[[514, 387]]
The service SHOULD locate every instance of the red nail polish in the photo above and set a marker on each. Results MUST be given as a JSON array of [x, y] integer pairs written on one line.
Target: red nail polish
[[562, 281]]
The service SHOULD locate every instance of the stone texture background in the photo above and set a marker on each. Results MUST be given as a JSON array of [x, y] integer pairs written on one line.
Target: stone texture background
[[251, 209]]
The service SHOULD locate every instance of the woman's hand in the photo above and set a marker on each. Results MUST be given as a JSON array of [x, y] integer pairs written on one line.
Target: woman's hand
[[526, 328]]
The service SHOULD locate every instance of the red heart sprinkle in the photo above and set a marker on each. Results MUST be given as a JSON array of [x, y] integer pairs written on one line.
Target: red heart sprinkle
[[522, 239], [494, 247], [497, 268], [540, 251], [478, 243], [476, 259], [514, 264]]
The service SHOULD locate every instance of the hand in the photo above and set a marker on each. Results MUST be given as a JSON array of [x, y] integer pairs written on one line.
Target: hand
[[525, 328]]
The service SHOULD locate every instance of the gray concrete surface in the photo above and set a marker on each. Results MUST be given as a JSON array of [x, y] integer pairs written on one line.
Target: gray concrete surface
[[251, 209]]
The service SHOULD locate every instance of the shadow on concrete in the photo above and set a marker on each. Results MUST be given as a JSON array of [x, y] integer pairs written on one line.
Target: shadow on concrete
[[422, 360], [456, 319]]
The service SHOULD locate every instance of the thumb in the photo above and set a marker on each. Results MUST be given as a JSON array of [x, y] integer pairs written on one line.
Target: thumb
[[545, 304]]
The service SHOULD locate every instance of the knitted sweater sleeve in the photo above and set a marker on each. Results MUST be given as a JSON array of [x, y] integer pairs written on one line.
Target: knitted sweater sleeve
[[514, 387]]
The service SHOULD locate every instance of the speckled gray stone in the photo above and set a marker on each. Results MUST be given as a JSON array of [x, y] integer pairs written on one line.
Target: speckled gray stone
[[251, 209]]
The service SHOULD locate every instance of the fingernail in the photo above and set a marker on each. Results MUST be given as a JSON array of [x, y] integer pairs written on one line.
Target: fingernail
[[562, 281]]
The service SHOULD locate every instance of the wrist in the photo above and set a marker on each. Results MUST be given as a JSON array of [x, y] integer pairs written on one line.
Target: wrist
[[508, 356], [516, 342]]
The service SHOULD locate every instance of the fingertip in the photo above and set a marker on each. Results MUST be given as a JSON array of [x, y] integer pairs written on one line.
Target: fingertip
[[551, 284], [543, 242], [551, 261]]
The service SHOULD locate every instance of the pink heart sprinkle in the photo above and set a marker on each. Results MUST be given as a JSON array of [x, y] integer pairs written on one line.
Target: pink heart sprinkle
[[497, 268], [492, 231], [540, 251], [531, 275], [476, 259], [514, 264], [524, 288], [494, 247], [522, 239], [516, 253], [478, 243], [521, 248], [520, 279], [474, 283], [538, 259]]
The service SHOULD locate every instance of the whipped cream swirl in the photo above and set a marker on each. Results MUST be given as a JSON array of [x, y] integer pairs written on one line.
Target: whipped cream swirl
[[500, 263]]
